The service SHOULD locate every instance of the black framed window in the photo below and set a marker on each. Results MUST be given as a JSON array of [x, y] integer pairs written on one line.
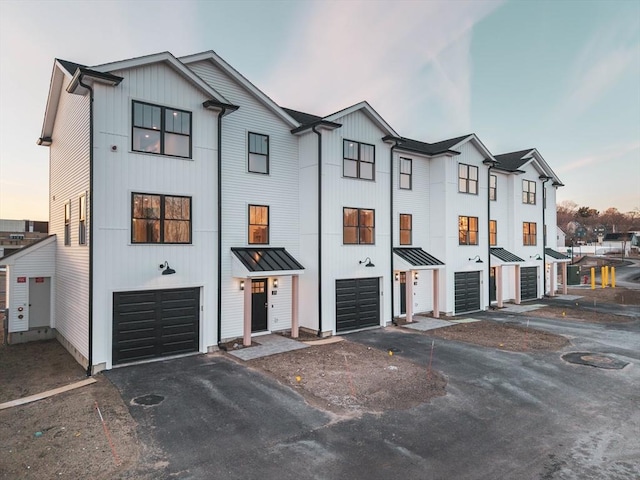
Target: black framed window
[[406, 171], [358, 226], [82, 220], [406, 223], [258, 153], [493, 233], [529, 233], [359, 160], [467, 230], [160, 218], [529, 192], [67, 223], [467, 178], [493, 187], [258, 224], [161, 130]]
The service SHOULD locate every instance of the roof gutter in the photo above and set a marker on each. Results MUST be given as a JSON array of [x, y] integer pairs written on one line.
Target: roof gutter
[[397, 141], [490, 164], [544, 179], [319, 134]]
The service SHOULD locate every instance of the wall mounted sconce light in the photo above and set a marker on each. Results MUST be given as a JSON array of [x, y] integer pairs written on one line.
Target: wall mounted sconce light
[[537, 257], [367, 262], [241, 284], [275, 283], [397, 276], [477, 259], [167, 270], [416, 275]]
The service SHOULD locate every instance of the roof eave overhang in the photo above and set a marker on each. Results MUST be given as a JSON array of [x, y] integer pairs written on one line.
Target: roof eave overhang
[[369, 111], [550, 259], [91, 76], [479, 145], [217, 106], [321, 124], [239, 270], [11, 258], [55, 89], [401, 264]]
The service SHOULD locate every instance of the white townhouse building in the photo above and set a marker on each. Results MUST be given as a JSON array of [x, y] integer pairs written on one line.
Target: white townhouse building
[[188, 209]]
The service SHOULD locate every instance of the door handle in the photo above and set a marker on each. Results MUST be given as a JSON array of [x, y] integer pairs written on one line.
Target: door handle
[[266, 305]]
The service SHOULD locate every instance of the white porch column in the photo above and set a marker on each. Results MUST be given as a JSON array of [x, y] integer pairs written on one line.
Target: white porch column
[[294, 307], [409, 296], [517, 284], [564, 278], [552, 279], [498, 280], [436, 293], [246, 339]]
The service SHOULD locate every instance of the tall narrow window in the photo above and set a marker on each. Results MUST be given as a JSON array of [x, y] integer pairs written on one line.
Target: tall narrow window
[[493, 187], [406, 170], [258, 224], [358, 226], [467, 179], [405, 229], [258, 153], [160, 219], [493, 233], [82, 220], [529, 192], [67, 223], [529, 231], [359, 160], [467, 230], [161, 130]]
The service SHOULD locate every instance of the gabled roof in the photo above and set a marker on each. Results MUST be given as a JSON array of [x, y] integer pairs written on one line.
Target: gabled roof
[[213, 57], [444, 146], [70, 67], [368, 111], [514, 161], [301, 117], [505, 255], [20, 252], [267, 259]]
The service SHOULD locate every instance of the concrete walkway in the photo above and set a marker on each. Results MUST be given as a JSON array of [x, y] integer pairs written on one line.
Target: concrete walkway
[[422, 324], [268, 345]]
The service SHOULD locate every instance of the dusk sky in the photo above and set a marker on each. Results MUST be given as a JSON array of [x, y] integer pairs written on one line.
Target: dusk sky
[[560, 76]]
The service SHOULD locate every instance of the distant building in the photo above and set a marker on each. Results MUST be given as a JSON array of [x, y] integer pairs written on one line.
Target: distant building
[[15, 234]]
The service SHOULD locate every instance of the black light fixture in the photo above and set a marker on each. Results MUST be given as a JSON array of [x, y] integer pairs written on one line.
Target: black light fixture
[[275, 283], [167, 270], [477, 259], [367, 262], [537, 257], [397, 276]]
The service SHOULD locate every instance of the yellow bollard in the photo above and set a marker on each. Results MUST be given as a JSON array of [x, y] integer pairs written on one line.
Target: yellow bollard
[[602, 277], [593, 278], [613, 277]]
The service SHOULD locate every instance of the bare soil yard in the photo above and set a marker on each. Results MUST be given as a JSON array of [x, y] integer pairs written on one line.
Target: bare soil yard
[[619, 295]]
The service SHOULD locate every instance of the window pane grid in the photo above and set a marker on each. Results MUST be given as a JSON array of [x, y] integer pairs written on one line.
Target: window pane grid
[[406, 168], [358, 226], [258, 224], [529, 233], [405, 229], [161, 130], [529, 192], [160, 219], [258, 153], [467, 178], [358, 160], [467, 230]]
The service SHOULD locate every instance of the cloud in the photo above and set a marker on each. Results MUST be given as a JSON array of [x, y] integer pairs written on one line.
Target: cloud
[[402, 57], [606, 156], [602, 62]]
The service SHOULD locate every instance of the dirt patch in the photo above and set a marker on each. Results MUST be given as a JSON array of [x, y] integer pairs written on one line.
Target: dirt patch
[[62, 436], [498, 335], [349, 378], [619, 295], [577, 314]]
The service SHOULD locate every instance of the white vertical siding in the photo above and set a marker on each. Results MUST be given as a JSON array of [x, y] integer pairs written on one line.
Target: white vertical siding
[[69, 179], [240, 188]]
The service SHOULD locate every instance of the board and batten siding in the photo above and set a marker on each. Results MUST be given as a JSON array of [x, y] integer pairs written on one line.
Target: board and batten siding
[[69, 179], [120, 265], [279, 190], [341, 261]]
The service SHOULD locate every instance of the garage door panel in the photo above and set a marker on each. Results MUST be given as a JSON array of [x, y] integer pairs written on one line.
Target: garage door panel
[[155, 324], [466, 292], [528, 283], [357, 303]]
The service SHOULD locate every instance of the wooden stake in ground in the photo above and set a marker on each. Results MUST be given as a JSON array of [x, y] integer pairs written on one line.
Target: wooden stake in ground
[[346, 363], [526, 333], [108, 435], [430, 359]]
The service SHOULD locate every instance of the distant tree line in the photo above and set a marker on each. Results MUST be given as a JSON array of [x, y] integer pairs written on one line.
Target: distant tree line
[[584, 224]]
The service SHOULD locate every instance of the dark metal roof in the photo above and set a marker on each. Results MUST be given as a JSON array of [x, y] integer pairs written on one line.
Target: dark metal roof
[[70, 67], [443, 146], [266, 259], [511, 161], [505, 255], [301, 117], [618, 237], [557, 255], [416, 257], [26, 247]]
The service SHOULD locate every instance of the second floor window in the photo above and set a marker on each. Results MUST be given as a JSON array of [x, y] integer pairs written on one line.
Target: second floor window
[[406, 168], [529, 192], [82, 220], [405, 229], [161, 130], [359, 160], [467, 178], [468, 230], [358, 226], [67, 223], [160, 219], [529, 231], [493, 233], [258, 153], [258, 224], [493, 187]]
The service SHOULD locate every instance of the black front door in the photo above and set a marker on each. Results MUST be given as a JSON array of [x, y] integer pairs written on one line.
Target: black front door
[[259, 305], [492, 284], [403, 293]]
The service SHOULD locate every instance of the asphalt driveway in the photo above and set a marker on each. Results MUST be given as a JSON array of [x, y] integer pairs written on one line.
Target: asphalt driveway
[[506, 415]]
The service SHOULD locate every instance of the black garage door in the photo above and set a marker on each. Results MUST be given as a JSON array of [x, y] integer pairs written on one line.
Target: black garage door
[[528, 283], [155, 323], [467, 292], [357, 304]]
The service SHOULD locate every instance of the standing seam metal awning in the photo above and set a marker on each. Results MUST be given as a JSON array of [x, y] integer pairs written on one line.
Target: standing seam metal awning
[[505, 256], [556, 255], [264, 261], [417, 258]]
